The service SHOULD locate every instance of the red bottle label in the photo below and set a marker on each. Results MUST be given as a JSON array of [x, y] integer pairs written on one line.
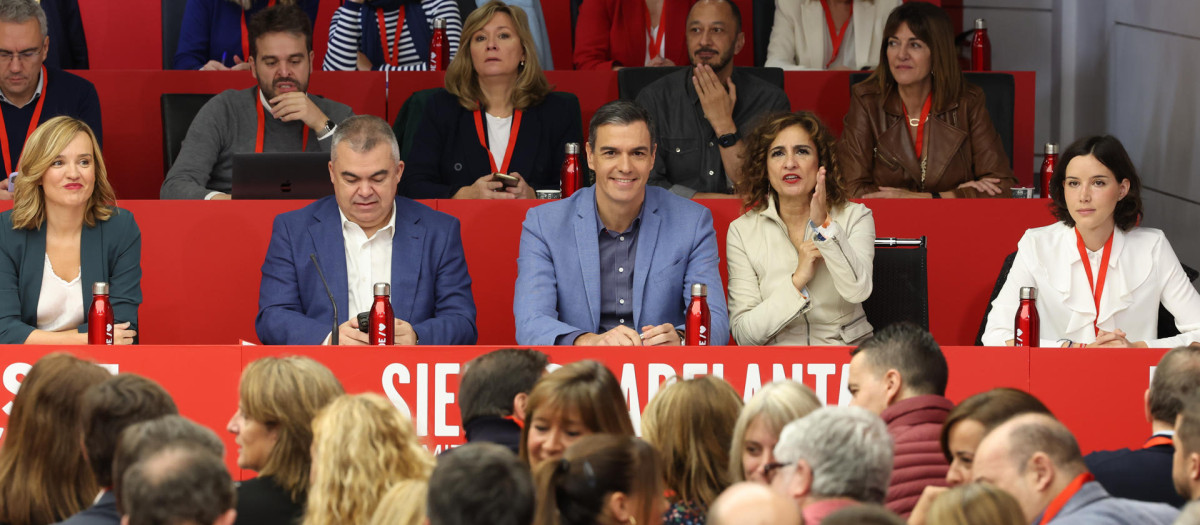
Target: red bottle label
[[383, 328], [100, 321], [981, 51], [572, 179], [439, 51], [1048, 173], [698, 324]]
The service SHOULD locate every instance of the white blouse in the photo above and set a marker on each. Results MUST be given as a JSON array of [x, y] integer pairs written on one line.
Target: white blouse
[[498, 130], [60, 304]]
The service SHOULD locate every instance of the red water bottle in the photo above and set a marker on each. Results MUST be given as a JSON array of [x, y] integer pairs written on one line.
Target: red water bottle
[[1048, 168], [439, 46], [100, 316], [981, 48], [383, 324], [1026, 332], [572, 177], [698, 322]]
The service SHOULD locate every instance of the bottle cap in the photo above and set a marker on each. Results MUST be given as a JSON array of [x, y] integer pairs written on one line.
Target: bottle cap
[[1028, 292], [383, 289], [99, 288], [980, 23], [700, 289], [572, 148], [439, 23], [1051, 148]]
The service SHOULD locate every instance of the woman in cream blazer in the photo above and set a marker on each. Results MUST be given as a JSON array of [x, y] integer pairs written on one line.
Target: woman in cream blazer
[[794, 280], [800, 37], [1095, 193]]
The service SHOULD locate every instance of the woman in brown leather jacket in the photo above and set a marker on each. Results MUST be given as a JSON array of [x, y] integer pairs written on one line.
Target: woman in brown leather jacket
[[916, 128]]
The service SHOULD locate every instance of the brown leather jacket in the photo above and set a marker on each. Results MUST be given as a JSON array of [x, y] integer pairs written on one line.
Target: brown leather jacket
[[876, 148]]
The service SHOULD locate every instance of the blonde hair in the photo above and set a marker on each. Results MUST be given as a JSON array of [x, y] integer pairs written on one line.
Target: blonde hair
[[463, 82], [43, 147], [779, 403], [362, 447], [285, 394], [690, 423], [586, 386], [404, 504], [976, 504]]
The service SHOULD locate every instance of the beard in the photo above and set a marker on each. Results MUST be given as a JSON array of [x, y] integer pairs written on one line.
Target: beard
[[271, 89], [718, 63]]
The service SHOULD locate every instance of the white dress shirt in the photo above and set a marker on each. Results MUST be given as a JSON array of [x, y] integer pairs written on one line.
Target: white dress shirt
[[60, 303], [498, 129], [368, 261], [800, 37]]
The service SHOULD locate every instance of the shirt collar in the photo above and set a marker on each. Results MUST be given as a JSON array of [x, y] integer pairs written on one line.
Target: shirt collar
[[391, 225], [262, 99], [637, 221], [36, 93]]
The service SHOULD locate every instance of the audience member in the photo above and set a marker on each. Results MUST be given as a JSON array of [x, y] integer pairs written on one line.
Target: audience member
[[1144, 474], [792, 279], [44, 475], [602, 478], [1095, 194], [390, 35], [976, 504], [404, 504], [758, 425], [1035, 458], [108, 409], [65, 28], [828, 34], [872, 514], [579, 278], [383, 239], [480, 483], [611, 34], [1186, 459], [493, 393], [900, 374], [362, 447], [31, 77], [747, 503], [1190, 515], [833, 458], [209, 37], [576, 400], [495, 84], [65, 208], [967, 423], [142, 440], [179, 485], [949, 149], [276, 115], [277, 401], [690, 423], [702, 111]]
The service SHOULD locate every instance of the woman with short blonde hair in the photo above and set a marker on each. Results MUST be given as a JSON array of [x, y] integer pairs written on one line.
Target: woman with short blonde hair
[[758, 427]]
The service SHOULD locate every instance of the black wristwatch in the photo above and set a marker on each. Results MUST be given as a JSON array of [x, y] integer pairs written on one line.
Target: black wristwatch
[[727, 140], [329, 125]]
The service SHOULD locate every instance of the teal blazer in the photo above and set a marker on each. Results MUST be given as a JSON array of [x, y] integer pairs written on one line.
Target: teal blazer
[[109, 252]]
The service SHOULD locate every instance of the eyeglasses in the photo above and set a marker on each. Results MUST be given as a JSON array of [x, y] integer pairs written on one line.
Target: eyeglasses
[[770, 469], [6, 57]]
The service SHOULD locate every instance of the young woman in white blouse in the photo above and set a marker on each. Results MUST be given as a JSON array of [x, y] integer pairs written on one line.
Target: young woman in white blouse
[[1099, 276]]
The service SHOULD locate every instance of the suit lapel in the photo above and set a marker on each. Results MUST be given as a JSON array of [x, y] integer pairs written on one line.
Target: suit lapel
[[407, 248], [647, 241], [330, 247], [587, 245], [33, 265], [897, 133], [948, 140], [91, 262]]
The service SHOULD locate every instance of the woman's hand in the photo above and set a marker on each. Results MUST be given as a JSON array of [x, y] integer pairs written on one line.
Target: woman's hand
[[806, 267], [921, 511], [122, 335], [988, 185], [521, 190], [818, 209], [1114, 339], [896, 193], [485, 187]]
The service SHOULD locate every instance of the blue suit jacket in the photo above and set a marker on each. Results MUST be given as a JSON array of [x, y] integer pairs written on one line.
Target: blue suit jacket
[[431, 288], [109, 252], [1143, 474], [103, 512], [558, 277]]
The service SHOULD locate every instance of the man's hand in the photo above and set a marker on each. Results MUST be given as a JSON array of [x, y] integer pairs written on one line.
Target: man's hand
[[349, 334], [485, 187], [620, 336], [213, 65], [663, 334], [714, 100], [122, 335], [296, 105], [404, 333]]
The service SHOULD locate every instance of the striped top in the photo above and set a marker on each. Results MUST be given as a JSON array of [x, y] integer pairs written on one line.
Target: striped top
[[345, 34]]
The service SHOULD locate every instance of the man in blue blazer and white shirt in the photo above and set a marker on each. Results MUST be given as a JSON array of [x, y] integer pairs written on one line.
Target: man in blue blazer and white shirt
[[613, 264], [365, 234]]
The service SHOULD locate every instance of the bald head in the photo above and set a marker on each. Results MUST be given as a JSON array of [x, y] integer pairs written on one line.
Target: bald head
[[1031, 456], [748, 503]]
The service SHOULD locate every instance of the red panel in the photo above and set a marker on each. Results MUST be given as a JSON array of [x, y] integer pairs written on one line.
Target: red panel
[[111, 42], [401, 85], [745, 58], [325, 11], [1024, 113], [558, 30], [826, 93]]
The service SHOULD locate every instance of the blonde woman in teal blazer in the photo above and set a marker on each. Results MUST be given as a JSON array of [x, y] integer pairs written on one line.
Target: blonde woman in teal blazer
[[63, 212]]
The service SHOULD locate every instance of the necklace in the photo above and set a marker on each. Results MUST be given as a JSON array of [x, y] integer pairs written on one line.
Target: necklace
[[914, 122]]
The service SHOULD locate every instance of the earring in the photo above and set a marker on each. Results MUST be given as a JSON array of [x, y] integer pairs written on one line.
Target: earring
[[521, 65]]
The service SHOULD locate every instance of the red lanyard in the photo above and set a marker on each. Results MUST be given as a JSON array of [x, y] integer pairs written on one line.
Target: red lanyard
[[836, 36], [262, 125], [246, 34], [15, 157], [1158, 441], [919, 144], [1098, 286], [656, 38], [391, 56], [512, 139], [1063, 497]]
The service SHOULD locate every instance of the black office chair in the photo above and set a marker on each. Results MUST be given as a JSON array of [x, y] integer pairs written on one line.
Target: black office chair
[[1001, 92], [900, 289], [172, 20], [408, 120], [631, 80], [764, 20], [178, 111]]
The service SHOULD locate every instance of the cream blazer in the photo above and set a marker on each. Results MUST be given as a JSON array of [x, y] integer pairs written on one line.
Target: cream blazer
[[765, 308], [798, 36], [1143, 271]]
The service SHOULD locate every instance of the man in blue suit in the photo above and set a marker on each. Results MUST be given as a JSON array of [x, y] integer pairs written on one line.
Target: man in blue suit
[[613, 264], [365, 234]]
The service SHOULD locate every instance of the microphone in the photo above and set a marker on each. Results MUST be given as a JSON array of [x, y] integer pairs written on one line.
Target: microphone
[[333, 336]]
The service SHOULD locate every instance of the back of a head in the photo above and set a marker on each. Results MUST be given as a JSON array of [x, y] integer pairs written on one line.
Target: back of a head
[[403, 504], [990, 409], [575, 489], [1174, 381], [176, 485], [865, 515], [110, 407], [848, 448], [691, 424], [1187, 426], [1029, 434], [587, 387], [911, 351], [777, 404], [976, 504], [480, 483], [140, 440], [490, 382], [749, 503]]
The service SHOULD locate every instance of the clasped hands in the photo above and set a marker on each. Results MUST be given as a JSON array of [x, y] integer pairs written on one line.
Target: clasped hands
[[652, 335], [349, 334], [491, 187], [988, 185]]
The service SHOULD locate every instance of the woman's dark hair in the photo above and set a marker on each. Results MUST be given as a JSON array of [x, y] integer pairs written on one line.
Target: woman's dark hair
[[755, 186], [932, 25], [1109, 151], [990, 409], [573, 490]]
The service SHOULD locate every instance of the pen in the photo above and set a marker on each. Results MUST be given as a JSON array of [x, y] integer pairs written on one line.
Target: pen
[[223, 56]]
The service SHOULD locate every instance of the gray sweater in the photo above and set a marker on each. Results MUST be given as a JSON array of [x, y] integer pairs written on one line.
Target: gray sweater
[[226, 125]]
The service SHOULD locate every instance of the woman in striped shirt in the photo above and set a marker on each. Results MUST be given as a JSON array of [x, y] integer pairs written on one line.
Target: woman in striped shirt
[[391, 35]]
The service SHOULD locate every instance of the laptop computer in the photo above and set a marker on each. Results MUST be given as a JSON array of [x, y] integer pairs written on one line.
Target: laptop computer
[[281, 175]]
